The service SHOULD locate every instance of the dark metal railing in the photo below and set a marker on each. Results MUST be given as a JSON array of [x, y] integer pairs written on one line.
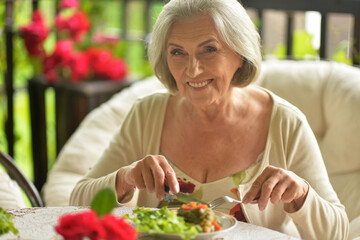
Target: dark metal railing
[[324, 7], [9, 75]]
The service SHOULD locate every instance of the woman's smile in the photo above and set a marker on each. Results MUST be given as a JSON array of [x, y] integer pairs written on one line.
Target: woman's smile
[[199, 84]]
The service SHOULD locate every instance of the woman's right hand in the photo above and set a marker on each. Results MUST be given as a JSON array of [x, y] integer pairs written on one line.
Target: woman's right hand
[[150, 173]]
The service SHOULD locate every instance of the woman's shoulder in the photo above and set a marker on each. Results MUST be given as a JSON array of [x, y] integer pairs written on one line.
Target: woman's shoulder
[[155, 99], [284, 109], [279, 107]]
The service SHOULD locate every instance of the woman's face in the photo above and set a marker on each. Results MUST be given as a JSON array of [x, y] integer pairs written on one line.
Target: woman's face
[[202, 64]]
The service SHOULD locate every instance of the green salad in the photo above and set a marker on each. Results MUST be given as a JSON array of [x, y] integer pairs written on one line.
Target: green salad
[[163, 221], [6, 222]]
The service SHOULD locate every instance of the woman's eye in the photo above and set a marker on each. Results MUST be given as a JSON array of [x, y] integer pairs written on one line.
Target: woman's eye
[[175, 52], [210, 49]]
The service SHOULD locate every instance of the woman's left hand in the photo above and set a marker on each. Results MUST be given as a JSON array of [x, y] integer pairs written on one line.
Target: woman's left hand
[[277, 184]]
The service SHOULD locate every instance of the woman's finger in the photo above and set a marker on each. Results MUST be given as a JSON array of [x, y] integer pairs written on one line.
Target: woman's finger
[[172, 180], [138, 179], [255, 190], [293, 191], [150, 174], [148, 179], [159, 177], [168, 175], [266, 190], [278, 192]]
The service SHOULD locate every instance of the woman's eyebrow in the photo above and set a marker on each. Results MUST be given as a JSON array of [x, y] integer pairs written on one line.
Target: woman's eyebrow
[[175, 45], [200, 44], [207, 41]]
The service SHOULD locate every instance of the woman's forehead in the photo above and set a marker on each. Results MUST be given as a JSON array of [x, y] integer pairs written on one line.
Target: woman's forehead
[[193, 30]]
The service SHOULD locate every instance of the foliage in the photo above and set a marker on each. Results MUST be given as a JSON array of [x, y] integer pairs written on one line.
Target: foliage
[[340, 53], [6, 223], [302, 47]]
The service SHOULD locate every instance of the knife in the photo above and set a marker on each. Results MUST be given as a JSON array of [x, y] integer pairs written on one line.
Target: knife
[[184, 198]]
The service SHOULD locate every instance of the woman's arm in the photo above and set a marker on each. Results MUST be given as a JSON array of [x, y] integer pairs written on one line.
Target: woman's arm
[[298, 178], [322, 216], [124, 149]]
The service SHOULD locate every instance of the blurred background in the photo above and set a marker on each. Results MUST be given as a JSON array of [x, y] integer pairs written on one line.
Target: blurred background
[[123, 27]]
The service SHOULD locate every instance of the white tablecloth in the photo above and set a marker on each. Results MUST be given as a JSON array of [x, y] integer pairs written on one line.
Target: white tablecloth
[[38, 224]]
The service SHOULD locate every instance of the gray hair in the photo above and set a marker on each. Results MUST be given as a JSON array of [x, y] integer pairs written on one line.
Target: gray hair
[[233, 24]]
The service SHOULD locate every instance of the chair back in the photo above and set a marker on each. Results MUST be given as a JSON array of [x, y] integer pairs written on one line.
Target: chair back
[[16, 174]]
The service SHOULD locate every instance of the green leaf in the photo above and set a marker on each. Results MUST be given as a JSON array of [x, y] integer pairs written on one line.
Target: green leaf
[[104, 201]]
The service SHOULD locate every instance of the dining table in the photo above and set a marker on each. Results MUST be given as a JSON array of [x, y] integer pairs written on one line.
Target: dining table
[[39, 223]]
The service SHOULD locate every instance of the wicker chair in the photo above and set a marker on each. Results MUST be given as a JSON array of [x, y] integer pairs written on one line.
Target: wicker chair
[[25, 184]]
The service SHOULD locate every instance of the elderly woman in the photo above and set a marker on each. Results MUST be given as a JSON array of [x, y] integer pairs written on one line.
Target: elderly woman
[[214, 134]]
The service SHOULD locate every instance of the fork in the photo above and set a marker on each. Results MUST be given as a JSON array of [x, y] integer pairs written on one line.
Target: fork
[[224, 199]]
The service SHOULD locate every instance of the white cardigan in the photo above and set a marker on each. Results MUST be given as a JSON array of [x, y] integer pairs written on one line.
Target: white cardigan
[[290, 145]]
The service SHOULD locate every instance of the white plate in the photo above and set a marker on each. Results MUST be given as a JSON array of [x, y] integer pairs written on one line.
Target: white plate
[[226, 221]]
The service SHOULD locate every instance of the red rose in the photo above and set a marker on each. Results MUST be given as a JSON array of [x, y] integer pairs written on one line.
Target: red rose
[[34, 34], [84, 224], [63, 52], [76, 26], [87, 224], [37, 17], [99, 60], [69, 4], [79, 67], [116, 69], [60, 58], [117, 228]]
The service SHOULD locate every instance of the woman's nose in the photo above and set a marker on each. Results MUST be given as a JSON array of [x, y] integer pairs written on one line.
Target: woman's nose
[[193, 67]]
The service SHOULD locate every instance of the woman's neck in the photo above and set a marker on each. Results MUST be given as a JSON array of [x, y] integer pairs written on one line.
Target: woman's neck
[[225, 111]]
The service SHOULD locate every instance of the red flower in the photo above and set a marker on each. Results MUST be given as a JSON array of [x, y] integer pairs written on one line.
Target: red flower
[[87, 224], [79, 66], [63, 52], [94, 63], [117, 69], [76, 26], [34, 34], [69, 4], [60, 58], [99, 61], [117, 228], [84, 224]]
